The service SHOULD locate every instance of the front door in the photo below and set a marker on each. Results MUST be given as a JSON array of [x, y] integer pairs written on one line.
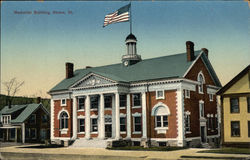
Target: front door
[[108, 130], [203, 134]]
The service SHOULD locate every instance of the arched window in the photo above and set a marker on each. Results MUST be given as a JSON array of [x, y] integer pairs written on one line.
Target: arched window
[[201, 81], [161, 113], [64, 120]]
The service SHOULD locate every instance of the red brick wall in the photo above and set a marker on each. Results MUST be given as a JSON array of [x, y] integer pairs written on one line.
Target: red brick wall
[[57, 109], [171, 102], [192, 104]]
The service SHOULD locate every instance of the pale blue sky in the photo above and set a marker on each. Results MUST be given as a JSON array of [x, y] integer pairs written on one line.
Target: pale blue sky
[[34, 48]]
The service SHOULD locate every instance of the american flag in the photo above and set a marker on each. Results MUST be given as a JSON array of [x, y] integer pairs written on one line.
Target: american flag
[[121, 15]]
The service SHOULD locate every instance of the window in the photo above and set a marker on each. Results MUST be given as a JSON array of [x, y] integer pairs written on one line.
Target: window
[[32, 119], [201, 80], [211, 97], [160, 94], [27, 133], [235, 128], [44, 118], [137, 124], [248, 104], [161, 121], [12, 133], [123, 100], [81, 125], [6, 119], [63, 102], [94, 126], [81, 103], [64, 120], [201, 106], [187, 93], [136, 99], [43, 134], [187, 122], [234, 105], [107, 101], [248, 128], [216, 121], [33, 133], [123, 124], [94, 102], [212, 122]]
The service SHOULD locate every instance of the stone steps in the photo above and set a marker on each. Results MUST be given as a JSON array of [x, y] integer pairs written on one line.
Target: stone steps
[[92, 143]]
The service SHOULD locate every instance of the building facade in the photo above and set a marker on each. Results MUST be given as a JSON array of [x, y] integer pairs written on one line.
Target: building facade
[[235, 102], [24, 123], [166, 100]]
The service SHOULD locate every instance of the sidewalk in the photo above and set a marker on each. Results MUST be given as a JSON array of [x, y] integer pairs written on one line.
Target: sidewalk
[[99, 153]]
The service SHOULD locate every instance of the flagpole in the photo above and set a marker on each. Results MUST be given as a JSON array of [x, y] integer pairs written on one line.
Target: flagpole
[[130, 18]]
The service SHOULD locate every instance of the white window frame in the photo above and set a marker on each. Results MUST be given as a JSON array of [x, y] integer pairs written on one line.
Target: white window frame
[[187, 93], [64, 104], [157, 95], [135, 116], [93, 132], [161, 127], [133, 100], [201, 106], [187, 115], [200, 86], [123, 132], [63, 130], [211, 97], [6, 119], [78, 103], [78, 127]]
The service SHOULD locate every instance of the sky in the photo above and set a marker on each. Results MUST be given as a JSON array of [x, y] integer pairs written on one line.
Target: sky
[[35, 47]]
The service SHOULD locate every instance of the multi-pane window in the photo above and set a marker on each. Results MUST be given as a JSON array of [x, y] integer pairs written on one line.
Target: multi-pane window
[[123, 100], [187, 93], [234, 105], [248, 104], [137, 124], [63, 102], [107, 101], [64, 120], [201, 106], [6, 119], [162, 121], [187, 122], [32, 119], [81, 103], [94, 126], [123, 124], [235, 128], [81, 125], [94, 101], [160, 94], [137, 99]]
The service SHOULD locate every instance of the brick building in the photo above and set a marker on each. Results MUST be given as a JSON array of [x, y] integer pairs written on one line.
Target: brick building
[[166, 100]]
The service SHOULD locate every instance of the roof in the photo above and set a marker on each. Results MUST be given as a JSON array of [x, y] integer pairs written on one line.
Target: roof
[[234, 80], [28, 110], [131, 36], [166, 67]]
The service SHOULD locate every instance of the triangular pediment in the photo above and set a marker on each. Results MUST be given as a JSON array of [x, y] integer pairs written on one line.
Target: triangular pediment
[[93, 80]]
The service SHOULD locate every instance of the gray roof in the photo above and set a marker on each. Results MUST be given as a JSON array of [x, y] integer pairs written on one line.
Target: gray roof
[[172, 66], [28, 110]]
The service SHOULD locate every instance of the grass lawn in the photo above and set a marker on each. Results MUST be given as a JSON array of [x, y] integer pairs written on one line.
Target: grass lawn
[[139, 148], [228, 150]]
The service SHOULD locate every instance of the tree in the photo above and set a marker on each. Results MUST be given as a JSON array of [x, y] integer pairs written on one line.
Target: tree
[[12, 87]]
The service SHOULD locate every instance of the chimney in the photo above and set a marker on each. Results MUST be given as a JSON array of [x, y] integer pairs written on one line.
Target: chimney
[[205, 51], [190, 51], [69, 70], [38, 100]]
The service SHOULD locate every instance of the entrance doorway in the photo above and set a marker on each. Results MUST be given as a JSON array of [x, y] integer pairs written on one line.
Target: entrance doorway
[[203, 134], [108, 130]]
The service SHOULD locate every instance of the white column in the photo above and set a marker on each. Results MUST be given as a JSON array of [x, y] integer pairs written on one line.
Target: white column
[[180, 117], [23, 132], [144, 116], [74, 118], [128, 117], [7, 136], [101, 126], [87, 117], [51, 119], [113, 117], [117, 116]]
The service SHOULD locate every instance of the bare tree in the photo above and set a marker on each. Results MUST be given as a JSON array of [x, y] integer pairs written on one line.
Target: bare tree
[[12, 87]]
